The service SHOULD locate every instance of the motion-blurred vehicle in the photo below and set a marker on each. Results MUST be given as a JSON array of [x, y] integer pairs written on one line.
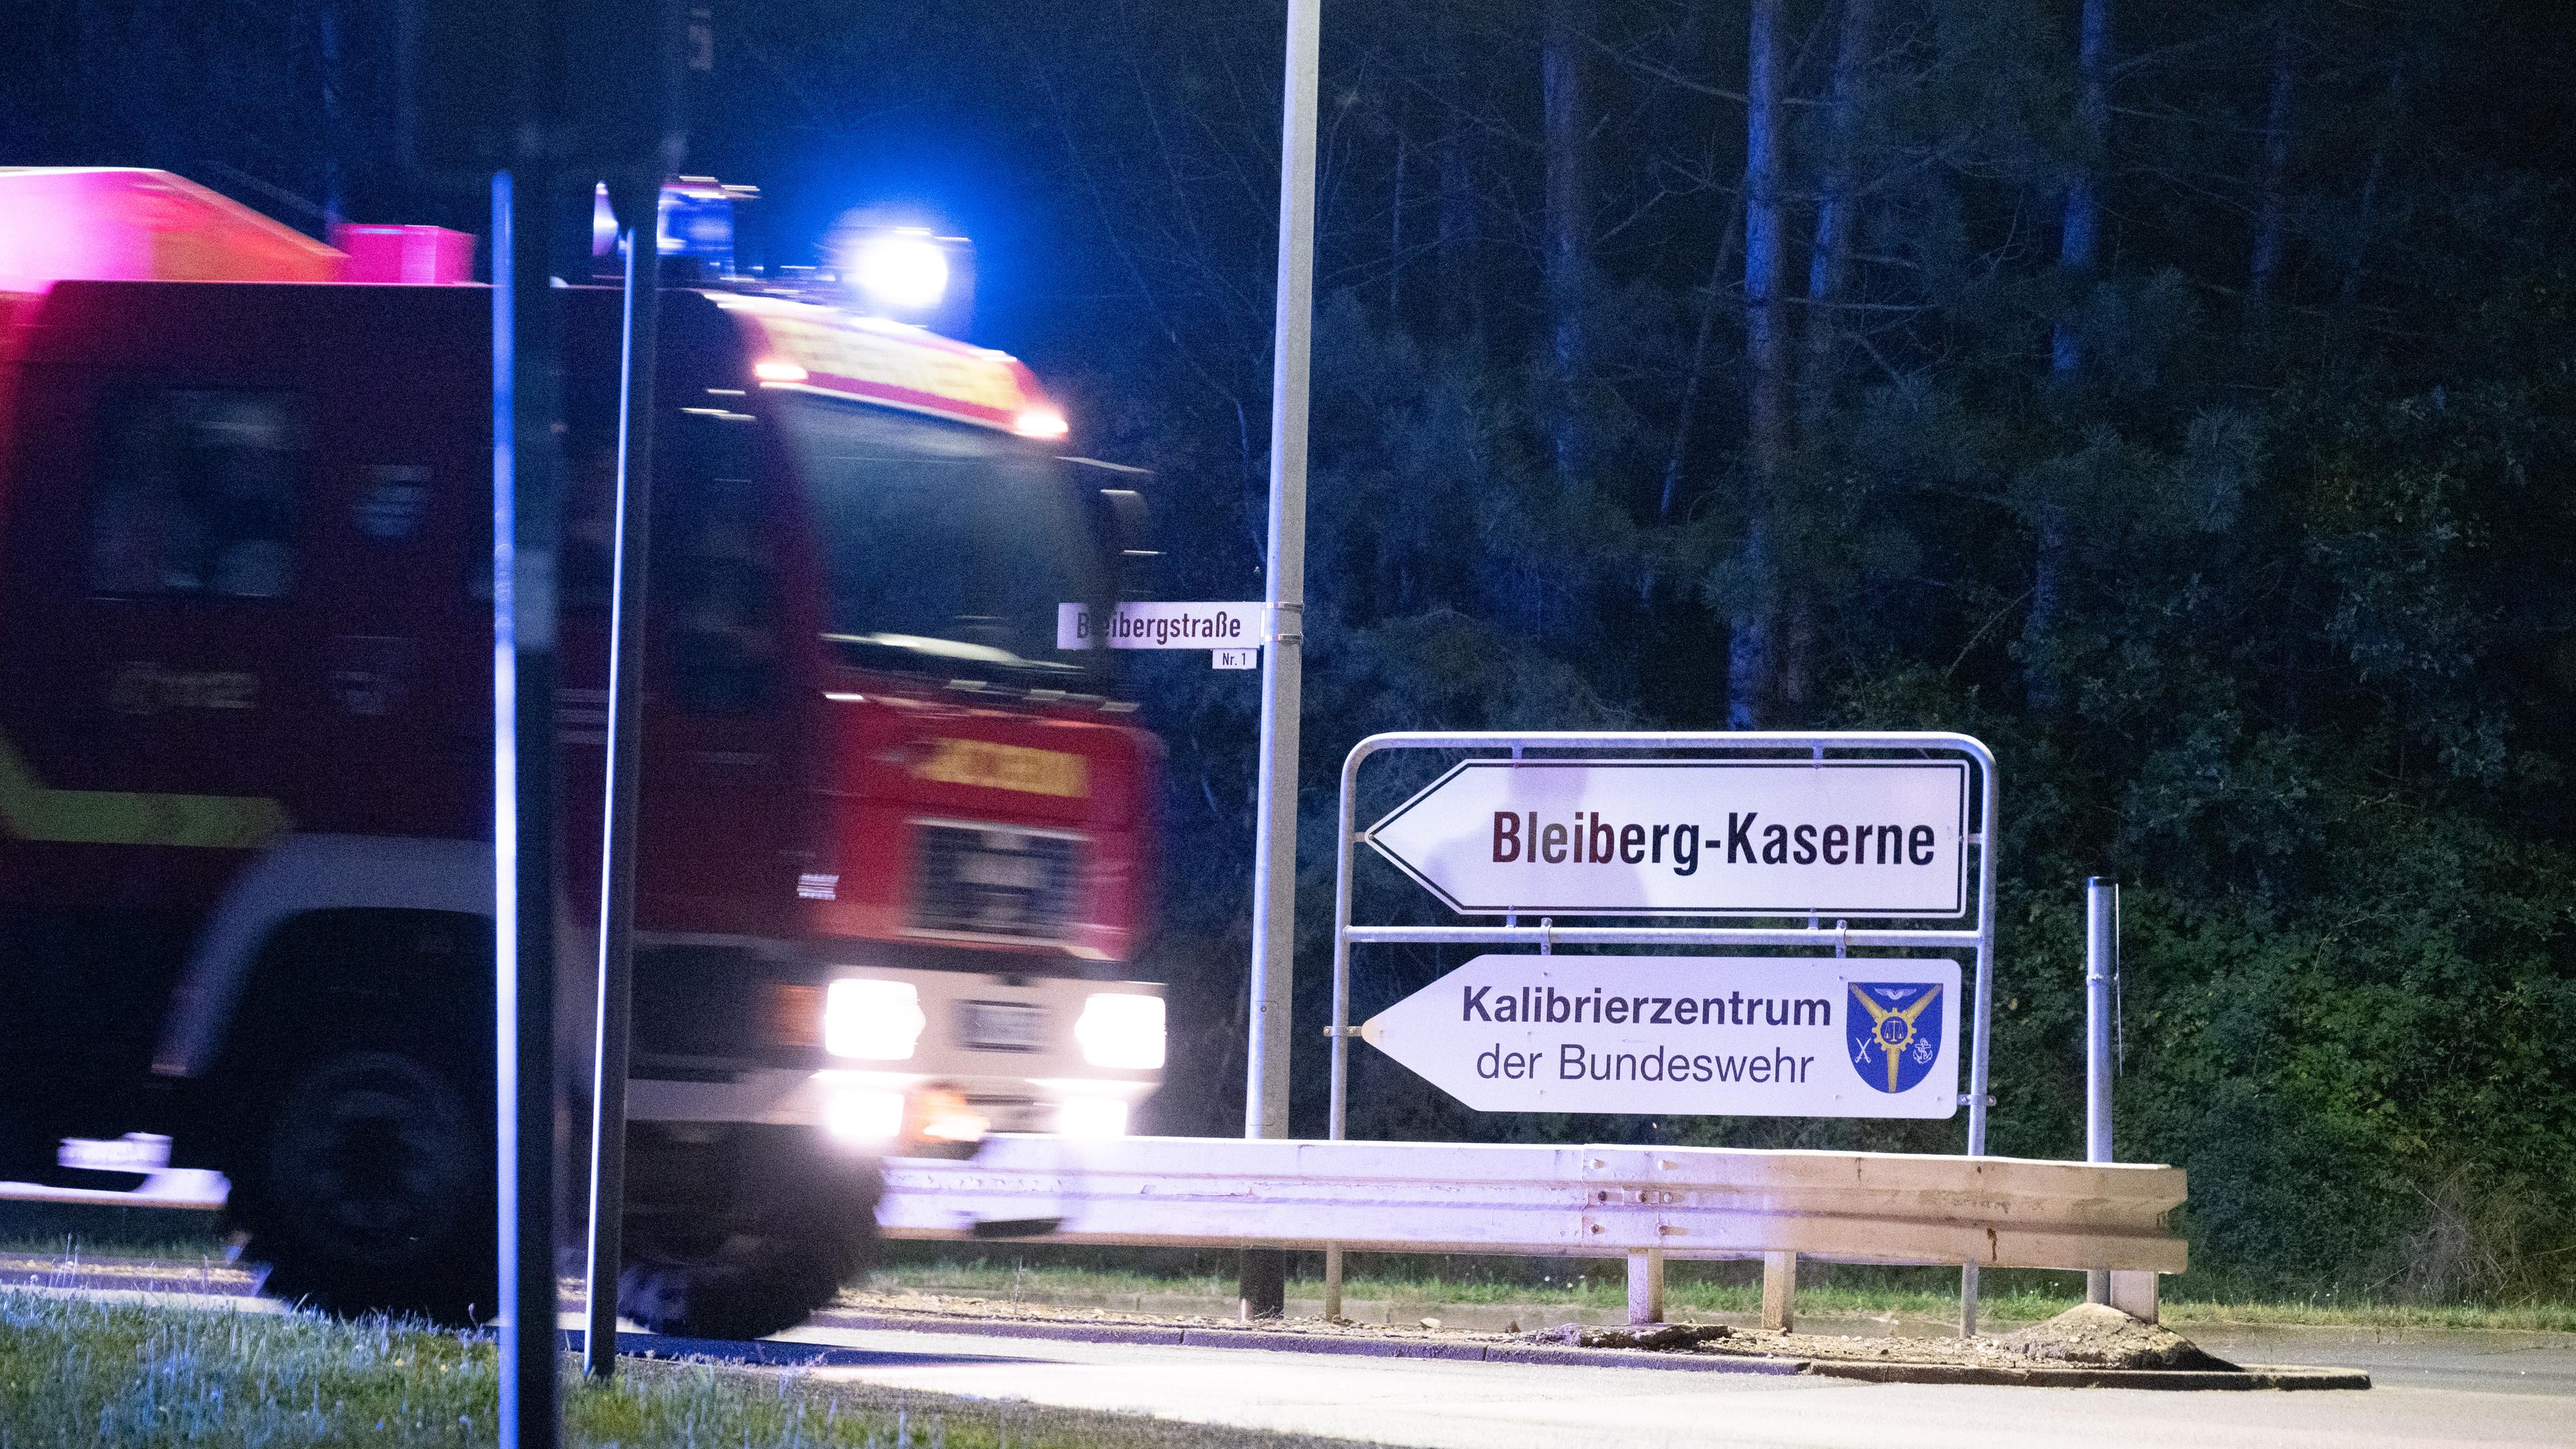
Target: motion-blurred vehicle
[[895, 849]]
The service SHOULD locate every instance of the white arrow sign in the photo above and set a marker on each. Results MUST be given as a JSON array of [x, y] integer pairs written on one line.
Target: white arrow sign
[[1686, 1035], [1688, 837]]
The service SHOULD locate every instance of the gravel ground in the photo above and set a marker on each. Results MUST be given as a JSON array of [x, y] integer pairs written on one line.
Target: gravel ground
[[2087, 1337]]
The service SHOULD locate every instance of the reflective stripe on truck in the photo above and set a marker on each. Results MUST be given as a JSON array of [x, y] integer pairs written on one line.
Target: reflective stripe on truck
[[130, 817]]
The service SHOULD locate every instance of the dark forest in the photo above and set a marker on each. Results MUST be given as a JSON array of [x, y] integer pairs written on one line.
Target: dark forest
[[2181, 397]]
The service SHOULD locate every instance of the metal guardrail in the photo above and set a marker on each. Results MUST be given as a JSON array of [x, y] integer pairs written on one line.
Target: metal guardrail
[[185, 1190], [1435, 1197], [1645, 1204]]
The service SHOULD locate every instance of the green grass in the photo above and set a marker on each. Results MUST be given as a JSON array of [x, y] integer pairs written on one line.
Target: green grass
[[79, 1372], [1038, 1273], [173, 1234], [1112, 1277], [2523, 1317], [1073, 1277]]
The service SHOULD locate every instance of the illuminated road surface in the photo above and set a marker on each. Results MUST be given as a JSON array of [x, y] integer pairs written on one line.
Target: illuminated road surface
[[2504, 1397]]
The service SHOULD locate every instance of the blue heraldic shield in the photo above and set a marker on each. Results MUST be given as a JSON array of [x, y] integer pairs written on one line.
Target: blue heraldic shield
[[1895, 1032]]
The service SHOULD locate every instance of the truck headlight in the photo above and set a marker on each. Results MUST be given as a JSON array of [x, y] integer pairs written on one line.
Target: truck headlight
[[1092, 1117], [872, 1020], [864, 1114], [1121, 1029]]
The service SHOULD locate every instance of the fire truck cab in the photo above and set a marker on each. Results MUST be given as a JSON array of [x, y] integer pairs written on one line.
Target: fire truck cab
[[895, 850]]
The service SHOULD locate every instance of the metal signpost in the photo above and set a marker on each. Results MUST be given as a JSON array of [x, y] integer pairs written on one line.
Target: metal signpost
[[525, 403], [1234, 635], [2101, 978], [613, 1010], [1877, 826], [1274, 865]]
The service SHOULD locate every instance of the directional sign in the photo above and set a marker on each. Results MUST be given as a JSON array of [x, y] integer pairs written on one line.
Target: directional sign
[[1686, 1035], [1160, 626], [1688, 837]]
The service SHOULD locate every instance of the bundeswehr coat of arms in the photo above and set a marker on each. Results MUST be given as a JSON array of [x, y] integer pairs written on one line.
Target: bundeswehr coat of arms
[[1895, 1032]]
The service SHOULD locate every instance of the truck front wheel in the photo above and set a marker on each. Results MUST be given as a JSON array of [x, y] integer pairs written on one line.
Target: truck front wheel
[[802, 1222], [370, 1189]]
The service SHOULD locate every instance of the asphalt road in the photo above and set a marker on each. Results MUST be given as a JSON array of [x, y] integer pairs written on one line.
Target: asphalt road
[[2430, 1392]]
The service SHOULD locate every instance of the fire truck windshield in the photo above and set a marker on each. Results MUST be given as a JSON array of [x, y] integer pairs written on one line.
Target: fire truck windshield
[[946, 546]]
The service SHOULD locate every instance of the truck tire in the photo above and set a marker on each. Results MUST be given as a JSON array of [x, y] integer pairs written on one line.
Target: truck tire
[[26, 1154], [803, 1223], [368, 1188]]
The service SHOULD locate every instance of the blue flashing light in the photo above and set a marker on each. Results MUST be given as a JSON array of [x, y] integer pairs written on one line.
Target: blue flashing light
[[695, 220]]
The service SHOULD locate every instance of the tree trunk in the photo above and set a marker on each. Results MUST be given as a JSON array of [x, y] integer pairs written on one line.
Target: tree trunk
[[1569, 230], [1750, 665], [1461, 313], [2367, 219], [1395, 228], [1669, 498], [2271, 212], [2078, 255], [1829, 263], [2079, 240], [1748, 633]]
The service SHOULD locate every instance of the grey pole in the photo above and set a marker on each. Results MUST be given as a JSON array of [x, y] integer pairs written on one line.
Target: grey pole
[[524, 409], [1987, 836], [1274, 889], [637, 204], [1274, 866], [2101, 967]]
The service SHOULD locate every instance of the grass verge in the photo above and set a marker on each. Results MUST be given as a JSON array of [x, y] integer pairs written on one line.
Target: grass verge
[[172, 1234], [1039, 1273], [1112, 1277], [74, 1371]]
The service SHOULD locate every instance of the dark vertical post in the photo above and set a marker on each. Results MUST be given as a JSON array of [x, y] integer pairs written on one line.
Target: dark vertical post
[[1263, 1279], [524, 406], [636, 203]]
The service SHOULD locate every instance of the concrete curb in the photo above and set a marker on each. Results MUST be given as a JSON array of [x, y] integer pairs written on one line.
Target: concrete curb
[[2251, 1376], [1289, 1341], [2256, 1376]]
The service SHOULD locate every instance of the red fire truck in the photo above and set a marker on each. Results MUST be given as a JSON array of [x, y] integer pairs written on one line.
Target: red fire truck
[[896, 847]]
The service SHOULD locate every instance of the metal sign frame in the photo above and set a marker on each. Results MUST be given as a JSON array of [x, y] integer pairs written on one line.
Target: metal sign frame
[[1980, 938], [1645, 1267]]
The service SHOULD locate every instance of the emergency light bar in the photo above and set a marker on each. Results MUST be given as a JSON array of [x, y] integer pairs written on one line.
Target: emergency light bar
[[903, 272], [695, 219], [824, 350]]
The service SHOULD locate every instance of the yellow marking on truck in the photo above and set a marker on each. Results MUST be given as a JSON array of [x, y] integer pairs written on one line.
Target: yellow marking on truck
[[31, 811], [1006, 767]]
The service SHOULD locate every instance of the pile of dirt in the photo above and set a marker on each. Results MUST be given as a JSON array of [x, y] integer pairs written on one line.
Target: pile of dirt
[[2092, 1336], [1669, 1337], [2095, 1335]]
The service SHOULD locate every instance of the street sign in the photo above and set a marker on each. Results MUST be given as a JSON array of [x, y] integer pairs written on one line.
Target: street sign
[[1735, 1036], [1161, 626], [1703, 837], [1235, 659]]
